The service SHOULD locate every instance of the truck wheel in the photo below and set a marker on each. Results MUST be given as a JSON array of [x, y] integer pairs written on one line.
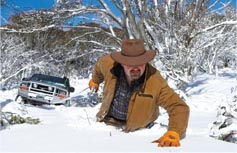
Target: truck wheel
[[20, 100]]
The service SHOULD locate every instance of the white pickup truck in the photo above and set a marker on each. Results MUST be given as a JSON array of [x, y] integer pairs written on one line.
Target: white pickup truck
[[45, 89]]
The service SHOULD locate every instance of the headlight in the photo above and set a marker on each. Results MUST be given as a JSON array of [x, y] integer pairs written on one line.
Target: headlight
[[50, 88], [35, 85], [61, 93], [24, 86]]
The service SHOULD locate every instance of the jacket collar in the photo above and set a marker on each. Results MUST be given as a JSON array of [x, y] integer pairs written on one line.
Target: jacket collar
[[116, 69], [150, 70]]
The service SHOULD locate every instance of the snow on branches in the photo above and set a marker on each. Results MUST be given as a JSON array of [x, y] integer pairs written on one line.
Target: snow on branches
[[225, 126]]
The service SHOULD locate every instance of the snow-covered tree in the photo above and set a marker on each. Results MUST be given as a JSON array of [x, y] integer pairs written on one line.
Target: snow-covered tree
[[189, 35], [175, 28], [66, 4], [184, 33], [225, 127]]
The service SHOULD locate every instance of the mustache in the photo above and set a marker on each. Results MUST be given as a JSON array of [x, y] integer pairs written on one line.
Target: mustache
[[135, 70]]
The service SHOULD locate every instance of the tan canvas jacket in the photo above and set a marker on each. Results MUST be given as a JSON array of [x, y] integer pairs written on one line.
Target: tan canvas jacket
[[143, 106]]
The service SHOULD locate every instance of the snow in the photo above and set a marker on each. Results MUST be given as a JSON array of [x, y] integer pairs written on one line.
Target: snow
[[74, 129]]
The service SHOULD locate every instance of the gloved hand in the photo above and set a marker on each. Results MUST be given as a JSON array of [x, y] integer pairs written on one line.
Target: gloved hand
[[93, 86], [169, 139]]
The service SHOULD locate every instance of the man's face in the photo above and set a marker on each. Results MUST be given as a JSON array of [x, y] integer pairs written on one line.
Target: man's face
[[134, 72]]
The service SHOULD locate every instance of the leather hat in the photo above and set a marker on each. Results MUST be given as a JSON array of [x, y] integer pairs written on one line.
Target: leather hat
[[133, 53]]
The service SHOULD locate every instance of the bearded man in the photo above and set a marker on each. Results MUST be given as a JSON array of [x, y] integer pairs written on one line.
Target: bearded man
[[134, 90]]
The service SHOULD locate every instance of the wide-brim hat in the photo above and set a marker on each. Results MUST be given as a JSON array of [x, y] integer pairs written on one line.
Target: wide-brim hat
[[133, 53]]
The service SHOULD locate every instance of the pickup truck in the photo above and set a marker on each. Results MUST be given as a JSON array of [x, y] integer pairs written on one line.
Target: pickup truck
[[45, 89]]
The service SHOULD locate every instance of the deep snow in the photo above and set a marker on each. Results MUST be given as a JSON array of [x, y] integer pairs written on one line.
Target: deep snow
[[74, 129]]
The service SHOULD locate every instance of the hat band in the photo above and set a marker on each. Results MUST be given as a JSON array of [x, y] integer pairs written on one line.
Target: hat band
[[133, 55]]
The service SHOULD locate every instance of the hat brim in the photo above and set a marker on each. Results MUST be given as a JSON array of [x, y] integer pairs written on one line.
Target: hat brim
[[133, 61]]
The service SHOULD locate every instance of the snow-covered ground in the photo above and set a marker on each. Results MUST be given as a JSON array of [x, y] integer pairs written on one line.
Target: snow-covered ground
[[74, 129]]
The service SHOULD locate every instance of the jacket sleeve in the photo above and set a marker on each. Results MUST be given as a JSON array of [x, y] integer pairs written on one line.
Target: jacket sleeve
[[102, 69], [97, 75], [177, 109]]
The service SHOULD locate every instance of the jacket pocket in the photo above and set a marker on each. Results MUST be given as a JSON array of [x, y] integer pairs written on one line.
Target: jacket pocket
[[145, 95], [142, 111]]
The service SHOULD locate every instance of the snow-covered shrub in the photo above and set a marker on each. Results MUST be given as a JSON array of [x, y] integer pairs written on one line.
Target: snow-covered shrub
[[15, 113], [9, 118], [225, 126]]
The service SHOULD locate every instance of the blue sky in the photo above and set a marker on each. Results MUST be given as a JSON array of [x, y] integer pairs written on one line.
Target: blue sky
[[16, 6]]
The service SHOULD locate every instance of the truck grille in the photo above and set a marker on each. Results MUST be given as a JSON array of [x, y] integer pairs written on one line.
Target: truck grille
[[42, 88]]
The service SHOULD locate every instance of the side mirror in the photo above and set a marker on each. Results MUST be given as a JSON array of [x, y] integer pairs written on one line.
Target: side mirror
[[71, 89]]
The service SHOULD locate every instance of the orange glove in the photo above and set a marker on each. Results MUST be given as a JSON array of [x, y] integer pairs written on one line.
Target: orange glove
[[93, 86], [169, 139]]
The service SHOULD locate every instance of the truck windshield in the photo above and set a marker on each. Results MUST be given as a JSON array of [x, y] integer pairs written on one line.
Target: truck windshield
[[50, 80]]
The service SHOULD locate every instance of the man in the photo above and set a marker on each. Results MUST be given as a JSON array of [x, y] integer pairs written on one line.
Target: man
[[133, 90]]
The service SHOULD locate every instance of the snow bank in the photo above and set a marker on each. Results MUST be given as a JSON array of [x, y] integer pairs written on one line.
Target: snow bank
[[74, 129]]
